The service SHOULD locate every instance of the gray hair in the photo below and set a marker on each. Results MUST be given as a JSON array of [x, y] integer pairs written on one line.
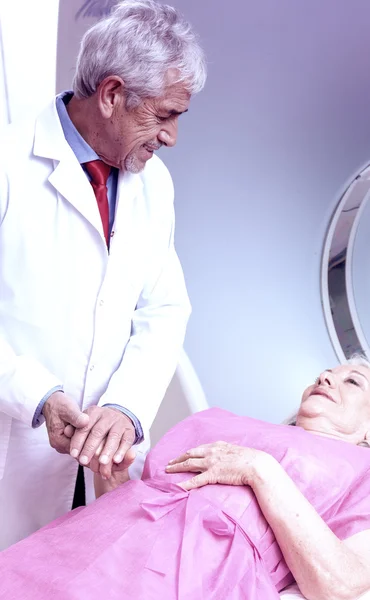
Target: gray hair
[[139, 42], [357, 359], [360, 360]]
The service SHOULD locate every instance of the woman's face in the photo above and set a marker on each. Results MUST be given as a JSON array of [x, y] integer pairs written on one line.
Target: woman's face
[[338, 404]]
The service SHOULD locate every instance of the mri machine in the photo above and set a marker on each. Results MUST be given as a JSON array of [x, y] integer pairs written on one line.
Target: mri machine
[[344, 289]]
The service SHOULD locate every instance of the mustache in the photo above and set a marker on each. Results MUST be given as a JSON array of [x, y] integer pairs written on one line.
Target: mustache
[[153, 147]]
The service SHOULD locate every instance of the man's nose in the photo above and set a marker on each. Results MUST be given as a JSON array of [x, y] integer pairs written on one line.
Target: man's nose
[[168, 136]]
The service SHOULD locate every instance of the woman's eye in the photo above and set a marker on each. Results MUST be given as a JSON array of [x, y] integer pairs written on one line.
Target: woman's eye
[[353, 381]]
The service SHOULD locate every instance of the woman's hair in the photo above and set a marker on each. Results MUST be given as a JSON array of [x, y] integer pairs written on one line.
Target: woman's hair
[[139, 42], [360, 360], [356, 359]]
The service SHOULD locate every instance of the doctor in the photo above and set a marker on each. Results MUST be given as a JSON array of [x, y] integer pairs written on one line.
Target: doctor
[[93, 306]]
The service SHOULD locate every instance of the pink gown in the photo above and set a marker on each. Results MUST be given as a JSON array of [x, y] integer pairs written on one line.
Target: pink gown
[[149, 540]]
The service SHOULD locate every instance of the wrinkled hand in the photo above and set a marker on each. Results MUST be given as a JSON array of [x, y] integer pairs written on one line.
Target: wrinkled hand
[[104, 441], [60, 411], [217, 463]]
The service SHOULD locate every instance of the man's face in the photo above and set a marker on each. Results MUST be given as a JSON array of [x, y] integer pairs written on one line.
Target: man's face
[[131, 136]]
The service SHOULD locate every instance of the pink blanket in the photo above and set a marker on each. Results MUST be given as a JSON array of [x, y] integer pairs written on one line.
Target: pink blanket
[[149, 540]]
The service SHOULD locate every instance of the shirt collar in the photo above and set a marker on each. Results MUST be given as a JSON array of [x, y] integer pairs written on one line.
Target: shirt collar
[[83, 152]]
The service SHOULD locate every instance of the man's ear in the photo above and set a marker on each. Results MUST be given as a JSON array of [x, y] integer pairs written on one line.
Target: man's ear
[[111, 95]]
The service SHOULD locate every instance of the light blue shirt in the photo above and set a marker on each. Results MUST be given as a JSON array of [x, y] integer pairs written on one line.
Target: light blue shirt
[[84, 153]]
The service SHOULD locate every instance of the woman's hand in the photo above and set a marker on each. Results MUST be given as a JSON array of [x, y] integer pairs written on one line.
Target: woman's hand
[[118, 476], [218, 463]]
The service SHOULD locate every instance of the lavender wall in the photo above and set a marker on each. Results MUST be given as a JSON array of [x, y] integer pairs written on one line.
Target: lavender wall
[[260, 164]]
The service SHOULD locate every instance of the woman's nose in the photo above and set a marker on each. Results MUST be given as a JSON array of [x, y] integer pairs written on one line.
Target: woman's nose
[[327, 378]]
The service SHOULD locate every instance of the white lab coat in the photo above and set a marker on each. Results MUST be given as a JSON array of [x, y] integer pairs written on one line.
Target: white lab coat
[[108, 328]]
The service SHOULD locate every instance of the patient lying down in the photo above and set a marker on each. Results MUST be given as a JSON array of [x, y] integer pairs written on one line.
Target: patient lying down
[[267, 505]]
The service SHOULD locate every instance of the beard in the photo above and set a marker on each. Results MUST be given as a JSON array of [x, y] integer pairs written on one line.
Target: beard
[[133, 164]]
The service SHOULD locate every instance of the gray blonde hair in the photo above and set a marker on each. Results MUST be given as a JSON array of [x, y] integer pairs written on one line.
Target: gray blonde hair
[[356, 359], [139, 42]]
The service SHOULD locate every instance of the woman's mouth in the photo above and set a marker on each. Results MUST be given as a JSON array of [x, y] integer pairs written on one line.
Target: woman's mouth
[[321, 392]]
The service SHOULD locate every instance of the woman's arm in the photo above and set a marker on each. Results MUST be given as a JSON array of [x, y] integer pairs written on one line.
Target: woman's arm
[[323, 566]]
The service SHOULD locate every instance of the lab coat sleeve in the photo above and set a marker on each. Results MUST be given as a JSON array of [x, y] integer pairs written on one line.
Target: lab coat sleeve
[[23, 380], [157, 335]]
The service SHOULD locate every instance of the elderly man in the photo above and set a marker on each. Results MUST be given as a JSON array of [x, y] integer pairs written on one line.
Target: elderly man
[[93, 306]]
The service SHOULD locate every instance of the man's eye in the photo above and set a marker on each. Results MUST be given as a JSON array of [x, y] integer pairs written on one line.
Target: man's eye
[[162, 119], [353, 381]]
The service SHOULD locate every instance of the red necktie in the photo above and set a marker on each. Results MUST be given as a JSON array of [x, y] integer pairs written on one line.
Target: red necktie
[[99, 173]]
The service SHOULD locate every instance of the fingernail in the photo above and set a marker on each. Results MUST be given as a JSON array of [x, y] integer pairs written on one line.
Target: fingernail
[[171, 461], [84, 460], [104, 460], [118, 458], [74, 453]]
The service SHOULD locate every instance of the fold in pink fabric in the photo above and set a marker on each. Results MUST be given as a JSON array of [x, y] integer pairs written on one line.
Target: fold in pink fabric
[[150, 540]]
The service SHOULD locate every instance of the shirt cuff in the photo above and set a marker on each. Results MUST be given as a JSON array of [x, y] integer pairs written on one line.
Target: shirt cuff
[[139, 435], [38, 417]]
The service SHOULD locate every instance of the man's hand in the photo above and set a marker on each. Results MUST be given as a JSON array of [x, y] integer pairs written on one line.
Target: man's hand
[[60, 411], [108, 435]]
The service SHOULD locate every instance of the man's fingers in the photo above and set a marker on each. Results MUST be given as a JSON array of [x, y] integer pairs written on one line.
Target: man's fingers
[[69, 431], [62, 416], [118, 452], [63, 445], [106, 456], [196, 482], [71, 413], [86, 441], [122, 450], [112, 443], [59, 441], [99, 450]]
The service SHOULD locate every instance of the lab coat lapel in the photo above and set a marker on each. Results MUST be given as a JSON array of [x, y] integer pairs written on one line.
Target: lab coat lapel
[[70, 181], [68, 177]]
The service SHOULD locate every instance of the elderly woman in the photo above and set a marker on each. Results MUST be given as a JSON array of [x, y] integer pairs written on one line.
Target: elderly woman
[[293, 505]]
